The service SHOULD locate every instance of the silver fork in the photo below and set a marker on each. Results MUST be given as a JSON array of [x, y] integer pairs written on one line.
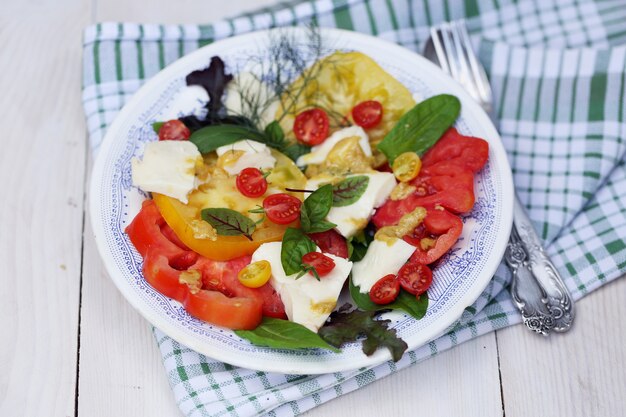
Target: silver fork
[[537, 289]]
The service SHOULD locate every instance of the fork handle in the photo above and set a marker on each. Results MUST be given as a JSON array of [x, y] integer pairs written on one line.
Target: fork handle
[[537, 288]]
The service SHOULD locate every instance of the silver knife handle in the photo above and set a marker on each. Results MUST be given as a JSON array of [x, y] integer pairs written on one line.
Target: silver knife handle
[[537, 288]]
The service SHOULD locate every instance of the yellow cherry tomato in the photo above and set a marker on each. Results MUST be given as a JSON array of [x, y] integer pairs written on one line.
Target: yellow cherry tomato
[[406, 166], [256, 274]]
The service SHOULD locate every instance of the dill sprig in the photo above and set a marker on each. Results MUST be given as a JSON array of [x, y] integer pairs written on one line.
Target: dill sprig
[[288, 59]]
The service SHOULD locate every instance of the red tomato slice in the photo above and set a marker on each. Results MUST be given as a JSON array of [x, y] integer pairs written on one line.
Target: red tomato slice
[[446, 178], [236, 313], [183, 261], [331, 241], [282, 208], [222, 276], [367, 114], [458, 200], [146, 231], [320, 262], [415, 277], [385, 290], [161, 276], [311, 126], [434, 179], [174, 130], [468, 152], [164, 262], [442, 227], [251, 182], [448, 185], [169, 233]]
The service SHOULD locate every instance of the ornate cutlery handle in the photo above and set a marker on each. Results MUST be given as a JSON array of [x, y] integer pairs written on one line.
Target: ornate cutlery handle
[[537, 288]]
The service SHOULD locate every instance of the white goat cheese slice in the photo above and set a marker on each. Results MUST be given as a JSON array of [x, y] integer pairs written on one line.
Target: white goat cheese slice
[[255, 155], [319, 153], [168, 167], [307, 301], [380, 259], [354, 217]]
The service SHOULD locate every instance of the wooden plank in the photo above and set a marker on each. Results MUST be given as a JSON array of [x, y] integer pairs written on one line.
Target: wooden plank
[[42, 167], [463, 381], [120, 367], [579, 373]]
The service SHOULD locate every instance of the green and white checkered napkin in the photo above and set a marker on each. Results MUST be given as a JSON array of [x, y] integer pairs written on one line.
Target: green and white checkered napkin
[[558, 72]]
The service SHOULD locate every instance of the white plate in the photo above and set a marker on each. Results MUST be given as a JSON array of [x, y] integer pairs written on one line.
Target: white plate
[[458, 281]]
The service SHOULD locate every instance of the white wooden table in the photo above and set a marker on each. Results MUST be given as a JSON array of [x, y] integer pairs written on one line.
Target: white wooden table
[[72, 346]]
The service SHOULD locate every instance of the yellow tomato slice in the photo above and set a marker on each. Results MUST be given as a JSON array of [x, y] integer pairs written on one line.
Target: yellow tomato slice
[[185, 219], [339, 82]]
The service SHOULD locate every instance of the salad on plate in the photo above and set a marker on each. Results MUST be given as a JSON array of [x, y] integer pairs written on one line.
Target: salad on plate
[[288, 189]]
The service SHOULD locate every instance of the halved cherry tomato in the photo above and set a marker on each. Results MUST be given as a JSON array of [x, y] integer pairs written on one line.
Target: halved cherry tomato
[[435, 236], [367, 114], [282, 208], [465, 151], [255, 274], [415, 277], [331, 241], [385, 290], [251, 182], [174, 130], [311, 126], [407, 166], [238, 313], [320, 262]]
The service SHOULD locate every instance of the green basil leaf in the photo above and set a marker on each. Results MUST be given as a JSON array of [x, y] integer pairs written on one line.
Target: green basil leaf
[[321, 226], [229, 222], [315, 209], [407, 302], [421, 127], [284, 334], [349, 190], [295, 245], [305, 221], [358, 244], [156, 126], [275, 132], [210, 138], [296, 150]]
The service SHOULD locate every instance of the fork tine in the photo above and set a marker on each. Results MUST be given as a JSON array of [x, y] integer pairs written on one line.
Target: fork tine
[[439, 51], [449, 50], [480, 78], [464, 76]]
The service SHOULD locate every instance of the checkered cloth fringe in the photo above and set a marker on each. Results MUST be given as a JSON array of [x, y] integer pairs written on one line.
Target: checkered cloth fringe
[[558, 72]]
